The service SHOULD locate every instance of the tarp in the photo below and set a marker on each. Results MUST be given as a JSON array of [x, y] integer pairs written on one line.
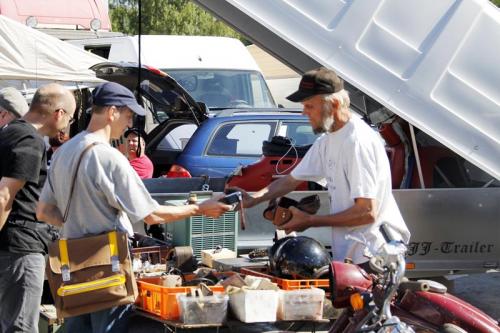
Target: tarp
[[434, 63], [29, 56]]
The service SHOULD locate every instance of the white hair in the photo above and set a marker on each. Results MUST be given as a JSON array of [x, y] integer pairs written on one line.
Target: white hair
[[341, 96]]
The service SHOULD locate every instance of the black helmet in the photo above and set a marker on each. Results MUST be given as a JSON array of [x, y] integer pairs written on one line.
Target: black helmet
[[274, 252], [298, 257]]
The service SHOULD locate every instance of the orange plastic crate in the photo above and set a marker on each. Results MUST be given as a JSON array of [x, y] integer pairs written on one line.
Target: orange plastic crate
[[162, 301], [288, 284]]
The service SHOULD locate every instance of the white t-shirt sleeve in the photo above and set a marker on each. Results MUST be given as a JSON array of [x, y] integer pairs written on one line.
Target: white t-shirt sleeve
[[362, 172], [125, 191], [310, 167]]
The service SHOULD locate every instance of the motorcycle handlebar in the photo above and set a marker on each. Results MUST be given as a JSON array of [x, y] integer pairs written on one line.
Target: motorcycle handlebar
[[376, 265]]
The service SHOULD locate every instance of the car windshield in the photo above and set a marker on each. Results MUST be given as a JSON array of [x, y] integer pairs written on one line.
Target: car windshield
[[220, 89]]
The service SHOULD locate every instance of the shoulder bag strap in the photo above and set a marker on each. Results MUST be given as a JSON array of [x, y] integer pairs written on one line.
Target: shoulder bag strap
[[75, 174]]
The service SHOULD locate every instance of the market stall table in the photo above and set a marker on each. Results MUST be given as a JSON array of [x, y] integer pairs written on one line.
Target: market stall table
[[171, 326]]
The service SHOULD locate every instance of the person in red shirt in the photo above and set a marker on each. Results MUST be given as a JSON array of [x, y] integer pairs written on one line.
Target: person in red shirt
[[136, 154]]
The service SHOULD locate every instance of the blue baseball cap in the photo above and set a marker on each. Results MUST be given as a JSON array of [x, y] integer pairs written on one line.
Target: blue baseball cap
[[111, 93]]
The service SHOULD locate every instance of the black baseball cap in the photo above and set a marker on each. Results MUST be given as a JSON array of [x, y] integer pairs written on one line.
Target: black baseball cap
[[318, 81], [111, 93], [136, 131]]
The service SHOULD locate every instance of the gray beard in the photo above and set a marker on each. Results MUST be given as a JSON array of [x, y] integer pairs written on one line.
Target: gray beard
[[326, 126], [318, 130]]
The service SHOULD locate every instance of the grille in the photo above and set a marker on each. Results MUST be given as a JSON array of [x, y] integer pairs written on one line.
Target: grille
[[203, 233]]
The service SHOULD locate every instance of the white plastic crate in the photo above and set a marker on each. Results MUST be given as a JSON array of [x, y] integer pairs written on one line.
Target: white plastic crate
[[253, 306], [302, 304], [203, 310]]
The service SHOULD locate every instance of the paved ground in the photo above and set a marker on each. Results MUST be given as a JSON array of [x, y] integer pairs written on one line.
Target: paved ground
[[481, 290]]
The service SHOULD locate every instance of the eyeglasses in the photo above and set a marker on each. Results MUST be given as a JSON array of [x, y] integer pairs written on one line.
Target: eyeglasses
[[71, 119]]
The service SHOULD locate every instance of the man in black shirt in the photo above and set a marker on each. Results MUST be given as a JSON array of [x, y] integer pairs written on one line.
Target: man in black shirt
[[24, 240]]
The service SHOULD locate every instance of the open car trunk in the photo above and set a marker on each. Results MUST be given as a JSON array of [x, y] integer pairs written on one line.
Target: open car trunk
[[430, 67], [167, 106]]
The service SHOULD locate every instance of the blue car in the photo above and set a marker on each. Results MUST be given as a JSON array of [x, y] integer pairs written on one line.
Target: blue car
[[185, 140], [234, 137], [223, 141]]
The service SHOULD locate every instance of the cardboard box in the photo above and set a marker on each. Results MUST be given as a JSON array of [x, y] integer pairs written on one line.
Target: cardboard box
[[208, 256]]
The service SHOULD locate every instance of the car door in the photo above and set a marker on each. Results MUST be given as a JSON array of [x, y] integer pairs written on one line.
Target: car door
[[300, 131], [169, 108], [231, 144]]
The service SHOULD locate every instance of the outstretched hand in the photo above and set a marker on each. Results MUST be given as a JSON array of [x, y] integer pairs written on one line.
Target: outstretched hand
[[213, 208], [297, 223], [247, 200]]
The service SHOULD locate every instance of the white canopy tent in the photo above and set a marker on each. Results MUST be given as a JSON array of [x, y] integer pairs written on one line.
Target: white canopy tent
[[30, 58]]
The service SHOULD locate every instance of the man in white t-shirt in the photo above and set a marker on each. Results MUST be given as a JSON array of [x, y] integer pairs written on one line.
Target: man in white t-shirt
[[350, 160]]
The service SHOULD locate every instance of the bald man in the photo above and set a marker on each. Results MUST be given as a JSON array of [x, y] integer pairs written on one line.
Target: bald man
[[23, 239]]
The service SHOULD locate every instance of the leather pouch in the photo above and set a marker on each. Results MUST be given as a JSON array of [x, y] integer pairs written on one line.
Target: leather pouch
[[279, 213], [309, 204], [268, 213]]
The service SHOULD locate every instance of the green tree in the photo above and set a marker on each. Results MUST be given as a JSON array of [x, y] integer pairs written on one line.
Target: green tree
[[166, 17], [171, 17]]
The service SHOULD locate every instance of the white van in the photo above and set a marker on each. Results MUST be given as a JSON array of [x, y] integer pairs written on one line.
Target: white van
[[218, 71], [281, 79]]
